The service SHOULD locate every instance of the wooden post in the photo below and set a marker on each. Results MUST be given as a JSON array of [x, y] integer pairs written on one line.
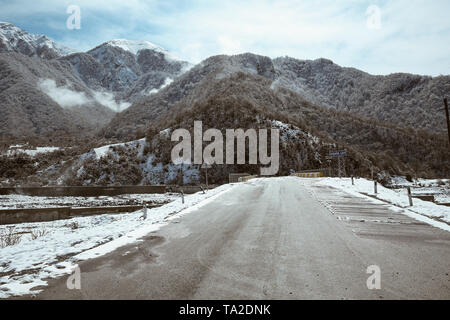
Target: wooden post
[[410, 197], [182, 196], [375, 186], [353, 181], [448, 119], [144, 211], [339, 167]]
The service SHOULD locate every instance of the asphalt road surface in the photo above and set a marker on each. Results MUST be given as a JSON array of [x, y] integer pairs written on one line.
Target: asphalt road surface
[[274, 239]]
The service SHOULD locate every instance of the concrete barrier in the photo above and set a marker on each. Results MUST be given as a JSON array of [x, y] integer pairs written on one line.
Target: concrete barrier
[[247, 178], [14, 216], [423, 197], [82, 191], [97, 191], [308, 175]]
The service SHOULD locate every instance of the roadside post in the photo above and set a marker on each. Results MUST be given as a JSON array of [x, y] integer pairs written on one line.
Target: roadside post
[[448, 119], [375, 186], [353, 181], [144, 211], [182, 196], [328, 158], [206, 167], [410, 197]]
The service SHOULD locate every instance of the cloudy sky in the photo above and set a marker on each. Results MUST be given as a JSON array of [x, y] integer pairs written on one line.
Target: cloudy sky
[[377, 36]]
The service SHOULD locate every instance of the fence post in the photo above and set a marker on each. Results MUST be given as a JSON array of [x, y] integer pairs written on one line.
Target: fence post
[[410, 197], [144, 211], [375, 186]]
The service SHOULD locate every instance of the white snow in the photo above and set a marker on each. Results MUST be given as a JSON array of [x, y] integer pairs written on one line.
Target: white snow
[[27, 264], [107, 99], [421, 210], [16, 201], [32, 152], [154, 172], [134, 46], [103, 151], [11, 36]]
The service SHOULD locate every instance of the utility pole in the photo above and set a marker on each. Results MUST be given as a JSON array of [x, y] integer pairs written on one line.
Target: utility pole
[[448, 119]]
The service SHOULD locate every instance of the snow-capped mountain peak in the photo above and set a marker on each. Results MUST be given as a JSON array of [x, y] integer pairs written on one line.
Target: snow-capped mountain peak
[[12, 38], [135, 46]]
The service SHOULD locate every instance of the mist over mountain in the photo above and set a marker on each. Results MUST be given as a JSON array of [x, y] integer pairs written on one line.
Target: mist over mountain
[[44, 97]]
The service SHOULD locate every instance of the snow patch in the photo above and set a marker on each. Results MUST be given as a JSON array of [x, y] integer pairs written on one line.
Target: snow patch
[[135, 46], [421, 210]]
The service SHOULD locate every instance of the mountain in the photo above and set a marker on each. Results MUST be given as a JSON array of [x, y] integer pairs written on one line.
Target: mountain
[[400, 99], [404, 99], [392, 123], [187, 88], [249, 79], [247, 101], [48, 88], [128, 69], [14, 39]]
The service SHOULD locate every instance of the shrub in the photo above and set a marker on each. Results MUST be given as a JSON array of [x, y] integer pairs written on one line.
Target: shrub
[[8, 237]]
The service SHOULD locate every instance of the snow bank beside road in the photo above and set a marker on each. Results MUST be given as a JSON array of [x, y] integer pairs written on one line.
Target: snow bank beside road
[[27, 264], [397, 198]]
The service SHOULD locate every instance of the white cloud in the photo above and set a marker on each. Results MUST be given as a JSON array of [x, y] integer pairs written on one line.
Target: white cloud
[[64, 96], [229, 46], [68, 98], [107, 99], [414, 34], [166, 83]]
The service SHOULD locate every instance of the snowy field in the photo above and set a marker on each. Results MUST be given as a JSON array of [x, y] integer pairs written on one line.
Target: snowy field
[[50, 249], [439, 188], [397, 197], [21, 201]]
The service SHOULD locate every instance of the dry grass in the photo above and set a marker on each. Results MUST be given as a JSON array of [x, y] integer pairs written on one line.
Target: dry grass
[[8, 237], [74, 225], [39, 232]]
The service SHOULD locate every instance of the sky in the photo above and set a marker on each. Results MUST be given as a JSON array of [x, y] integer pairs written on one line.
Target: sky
[[377, 36]]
